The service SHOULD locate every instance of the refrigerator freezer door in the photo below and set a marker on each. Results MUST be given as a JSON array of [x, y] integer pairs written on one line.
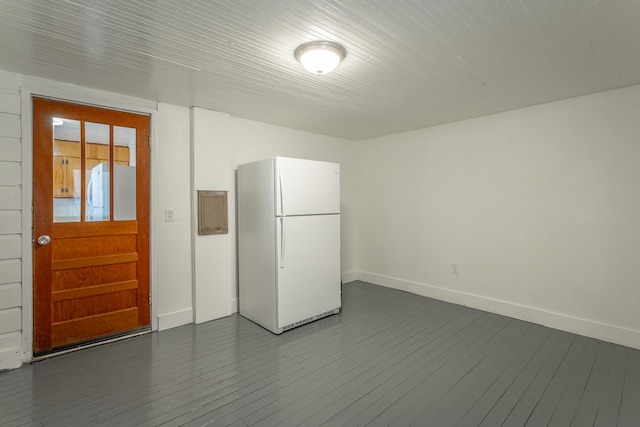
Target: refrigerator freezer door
[[308, 267], [307, 187]]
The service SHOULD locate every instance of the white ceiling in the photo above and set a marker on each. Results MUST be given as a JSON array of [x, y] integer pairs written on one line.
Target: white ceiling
[[410, 63]]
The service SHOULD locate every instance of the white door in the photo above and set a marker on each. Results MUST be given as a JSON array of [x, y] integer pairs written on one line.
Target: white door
[[307, 187], [308, 267]]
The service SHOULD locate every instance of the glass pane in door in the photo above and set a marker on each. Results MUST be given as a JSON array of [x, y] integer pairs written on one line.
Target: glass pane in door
[[67, 180], [124, 173], [97, 138]]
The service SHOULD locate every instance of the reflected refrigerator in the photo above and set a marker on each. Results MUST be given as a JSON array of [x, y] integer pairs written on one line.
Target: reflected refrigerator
[[288, 241], [124, 193]]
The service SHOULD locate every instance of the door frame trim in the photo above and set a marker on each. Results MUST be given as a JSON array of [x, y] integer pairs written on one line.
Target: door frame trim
[[36, 87]]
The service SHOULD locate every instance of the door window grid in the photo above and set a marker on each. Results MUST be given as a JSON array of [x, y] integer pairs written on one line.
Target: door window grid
[[97, 149]]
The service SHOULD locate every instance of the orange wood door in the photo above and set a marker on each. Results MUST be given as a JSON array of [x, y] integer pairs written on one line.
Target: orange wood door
[[91, 280]]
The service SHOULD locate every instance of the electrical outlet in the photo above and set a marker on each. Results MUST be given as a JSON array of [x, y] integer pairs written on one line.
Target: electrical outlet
[[169, 215], [455, 269]]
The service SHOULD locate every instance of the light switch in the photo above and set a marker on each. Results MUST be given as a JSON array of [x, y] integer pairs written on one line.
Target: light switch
[[169, 215]]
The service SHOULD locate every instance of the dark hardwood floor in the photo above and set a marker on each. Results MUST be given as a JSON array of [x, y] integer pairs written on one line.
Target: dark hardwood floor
[[390, 358]]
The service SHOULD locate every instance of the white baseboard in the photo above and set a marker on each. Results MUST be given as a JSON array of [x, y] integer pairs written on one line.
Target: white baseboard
[[175, 319], [350, 276], [585, 327]]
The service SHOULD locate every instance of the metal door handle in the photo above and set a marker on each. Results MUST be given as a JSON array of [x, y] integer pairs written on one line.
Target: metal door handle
[[44, 240], [282, 238]]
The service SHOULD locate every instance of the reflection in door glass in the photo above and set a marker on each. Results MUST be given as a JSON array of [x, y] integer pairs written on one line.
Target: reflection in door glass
[[67, 180], [97, 155], [124, 174]]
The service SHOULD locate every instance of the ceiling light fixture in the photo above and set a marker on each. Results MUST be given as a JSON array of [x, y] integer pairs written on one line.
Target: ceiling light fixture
[[320, 57]]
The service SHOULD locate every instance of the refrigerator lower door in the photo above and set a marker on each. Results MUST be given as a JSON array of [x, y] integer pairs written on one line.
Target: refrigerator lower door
[[308, 267]]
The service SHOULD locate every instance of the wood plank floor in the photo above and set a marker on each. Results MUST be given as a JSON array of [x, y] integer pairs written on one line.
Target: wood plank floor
[[390, 358]]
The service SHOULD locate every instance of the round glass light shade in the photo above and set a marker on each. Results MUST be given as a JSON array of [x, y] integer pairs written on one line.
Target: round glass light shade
[[320, 57]]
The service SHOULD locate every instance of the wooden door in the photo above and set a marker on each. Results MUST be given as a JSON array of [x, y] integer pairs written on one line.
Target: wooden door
[[90, 226]]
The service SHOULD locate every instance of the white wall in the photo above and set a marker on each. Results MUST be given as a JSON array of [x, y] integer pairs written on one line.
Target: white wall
[[10, 221], [539, 207], [211, 171], [171, 240]]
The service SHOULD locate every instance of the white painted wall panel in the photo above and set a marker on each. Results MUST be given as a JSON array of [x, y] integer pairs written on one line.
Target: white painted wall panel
[[10, 173], [212, 150], [10, 320], [9, 101], [10, 222], [212, 277], [172, 240], [10, 296], [10, 350], [10, 198], [213, 271], [10, 271], [10, 246], [9, 341], [10, 149], [10, 359], [10, 126], [10, 80]]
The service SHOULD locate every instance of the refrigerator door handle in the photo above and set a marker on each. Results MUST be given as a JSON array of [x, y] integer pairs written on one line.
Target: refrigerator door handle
[[281, 193], [282, 238]]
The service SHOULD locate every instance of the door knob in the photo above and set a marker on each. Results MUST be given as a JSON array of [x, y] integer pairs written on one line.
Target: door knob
[[44, 240]]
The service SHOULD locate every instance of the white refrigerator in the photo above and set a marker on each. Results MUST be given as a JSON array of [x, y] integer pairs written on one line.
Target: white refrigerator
[[288, 241]]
